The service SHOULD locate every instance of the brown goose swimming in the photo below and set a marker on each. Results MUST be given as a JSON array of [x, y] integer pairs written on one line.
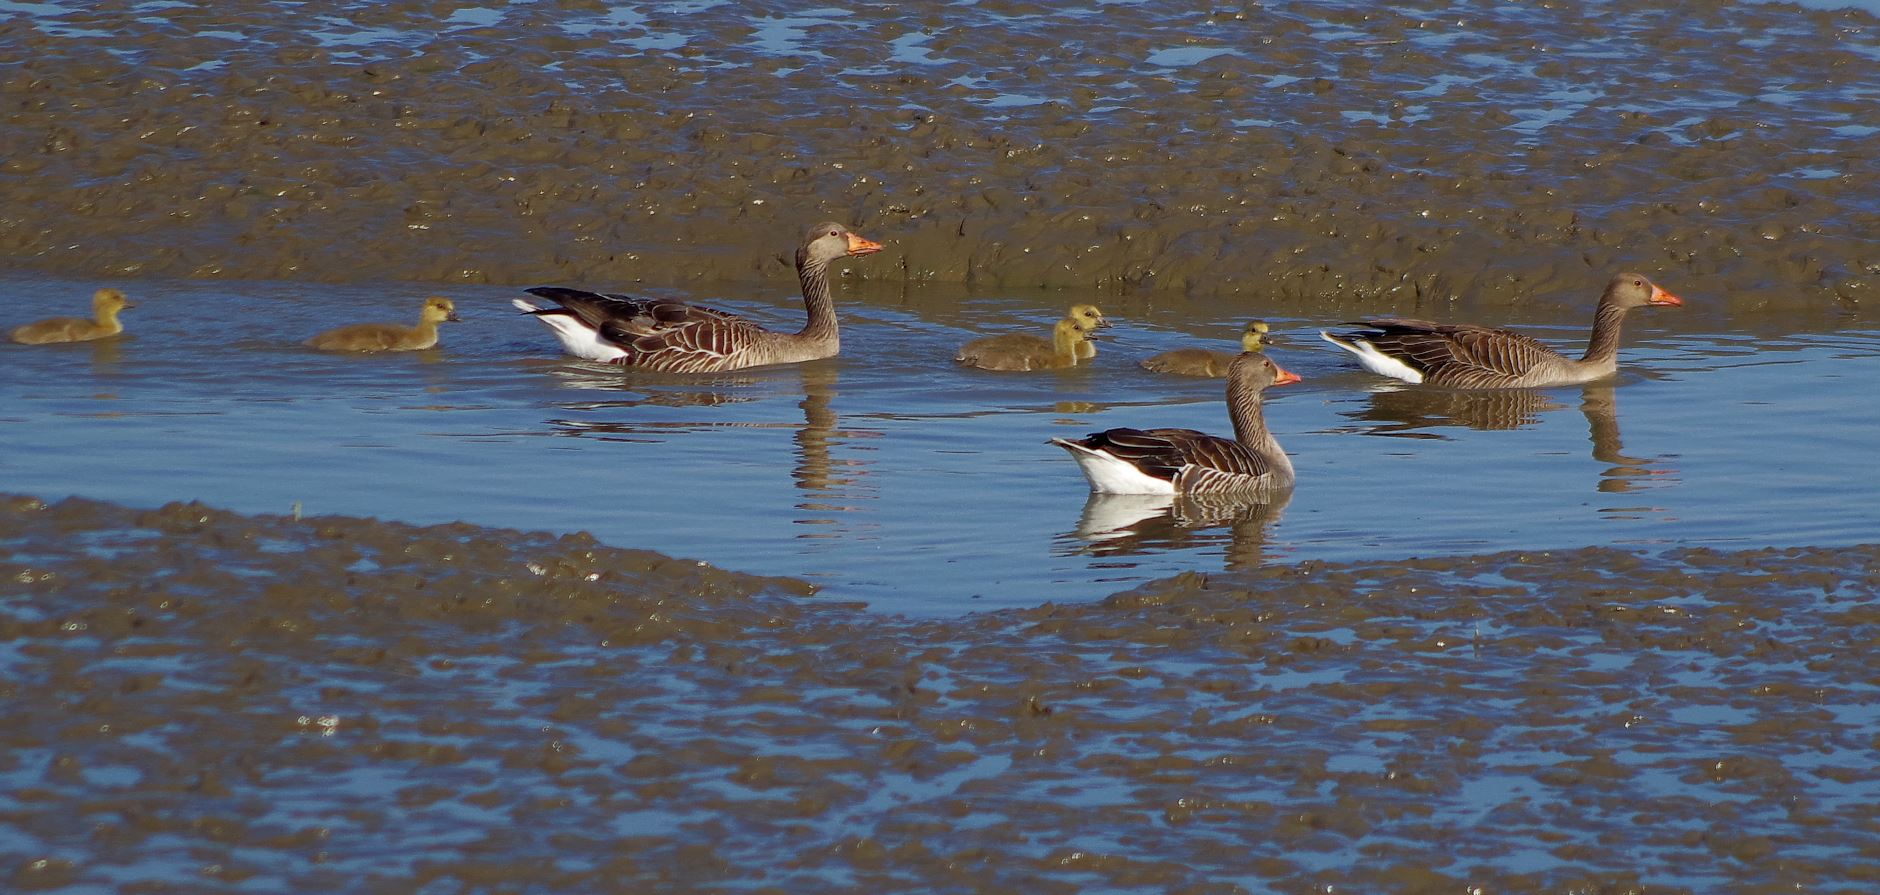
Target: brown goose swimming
[[1206, 362], [1459, 355], [390, 336], [1068, 346], [1183, 461], [105, 306], [668, 335]]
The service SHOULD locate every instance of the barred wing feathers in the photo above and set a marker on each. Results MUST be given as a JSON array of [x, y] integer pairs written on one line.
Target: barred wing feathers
[[1190, 459], [659, 334], [1457, 354]]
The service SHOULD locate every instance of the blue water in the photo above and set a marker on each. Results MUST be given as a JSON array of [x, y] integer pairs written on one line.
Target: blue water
[[891, 476]]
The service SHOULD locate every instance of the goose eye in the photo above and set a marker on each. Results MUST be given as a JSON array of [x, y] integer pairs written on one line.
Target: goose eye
[[835, 233]]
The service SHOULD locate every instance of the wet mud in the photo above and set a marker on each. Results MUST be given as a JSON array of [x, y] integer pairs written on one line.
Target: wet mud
[[1338, 153], [196, 700]]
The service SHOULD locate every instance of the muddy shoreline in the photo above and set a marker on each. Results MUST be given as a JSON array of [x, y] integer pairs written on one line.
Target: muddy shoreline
[[1353, 157], [202, 698]]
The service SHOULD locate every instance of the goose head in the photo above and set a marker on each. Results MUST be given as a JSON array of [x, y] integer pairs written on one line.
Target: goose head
[[1632, 290], [438, 309], [826, 242], [1259, 371]]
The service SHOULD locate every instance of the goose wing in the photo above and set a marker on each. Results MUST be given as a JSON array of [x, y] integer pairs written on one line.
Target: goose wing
[[658, 332], [1183, 456], [1456, 353]]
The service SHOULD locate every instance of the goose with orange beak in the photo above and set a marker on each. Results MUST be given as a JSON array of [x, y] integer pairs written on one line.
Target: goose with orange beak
[[1461, 355], [1184, 461], [675, 337]]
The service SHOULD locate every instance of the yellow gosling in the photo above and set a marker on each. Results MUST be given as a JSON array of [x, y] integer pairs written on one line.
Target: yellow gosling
[[1017, 352], [1205, 363], [1088, 319], [105, 306], [390, 336]]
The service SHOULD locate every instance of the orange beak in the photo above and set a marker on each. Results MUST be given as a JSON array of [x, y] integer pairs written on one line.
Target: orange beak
[[860, 246], [1661, 297], [1285, 377]]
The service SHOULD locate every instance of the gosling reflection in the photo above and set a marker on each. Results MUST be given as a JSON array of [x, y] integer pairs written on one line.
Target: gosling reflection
[[107, 357], [1412, 413], [1138, 524]]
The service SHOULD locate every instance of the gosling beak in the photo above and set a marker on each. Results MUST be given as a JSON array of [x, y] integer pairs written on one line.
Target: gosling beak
[[1661, 297], [1285, 377], [452, 317], [860, 246]]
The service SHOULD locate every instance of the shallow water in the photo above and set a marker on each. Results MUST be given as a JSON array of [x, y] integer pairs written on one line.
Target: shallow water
[[894, 477]]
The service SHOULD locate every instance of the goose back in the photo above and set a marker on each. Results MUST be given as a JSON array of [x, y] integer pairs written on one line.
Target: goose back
[[1184, 461], [673, 336]]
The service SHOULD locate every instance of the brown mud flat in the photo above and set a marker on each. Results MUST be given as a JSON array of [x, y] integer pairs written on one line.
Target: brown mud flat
[[1331, 152], [196, 700]]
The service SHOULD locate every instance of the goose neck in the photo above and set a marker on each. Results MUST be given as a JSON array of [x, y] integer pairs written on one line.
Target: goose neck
[[817, 300], [1603, 345]]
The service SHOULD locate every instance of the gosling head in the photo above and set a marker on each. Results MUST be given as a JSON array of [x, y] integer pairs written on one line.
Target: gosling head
[[109, 301], [826, 242], [438, 309], [1256, 336], [1070, 335], [1087, 317]]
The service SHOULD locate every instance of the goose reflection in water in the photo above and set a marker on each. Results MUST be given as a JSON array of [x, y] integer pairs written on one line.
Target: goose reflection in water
[[1115, 525], [646, 390], [817, 471], [1410, 412], [1623, 474], [835, 488]]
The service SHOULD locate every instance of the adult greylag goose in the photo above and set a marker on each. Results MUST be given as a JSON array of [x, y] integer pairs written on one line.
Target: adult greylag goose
[[1068, 346], [1459, 355], [675, 337], [1183, 461], [106, 304], [1206, 362], [390, 336]]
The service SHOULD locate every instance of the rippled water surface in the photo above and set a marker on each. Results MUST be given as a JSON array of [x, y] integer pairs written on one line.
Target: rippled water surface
[[891, 476]]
